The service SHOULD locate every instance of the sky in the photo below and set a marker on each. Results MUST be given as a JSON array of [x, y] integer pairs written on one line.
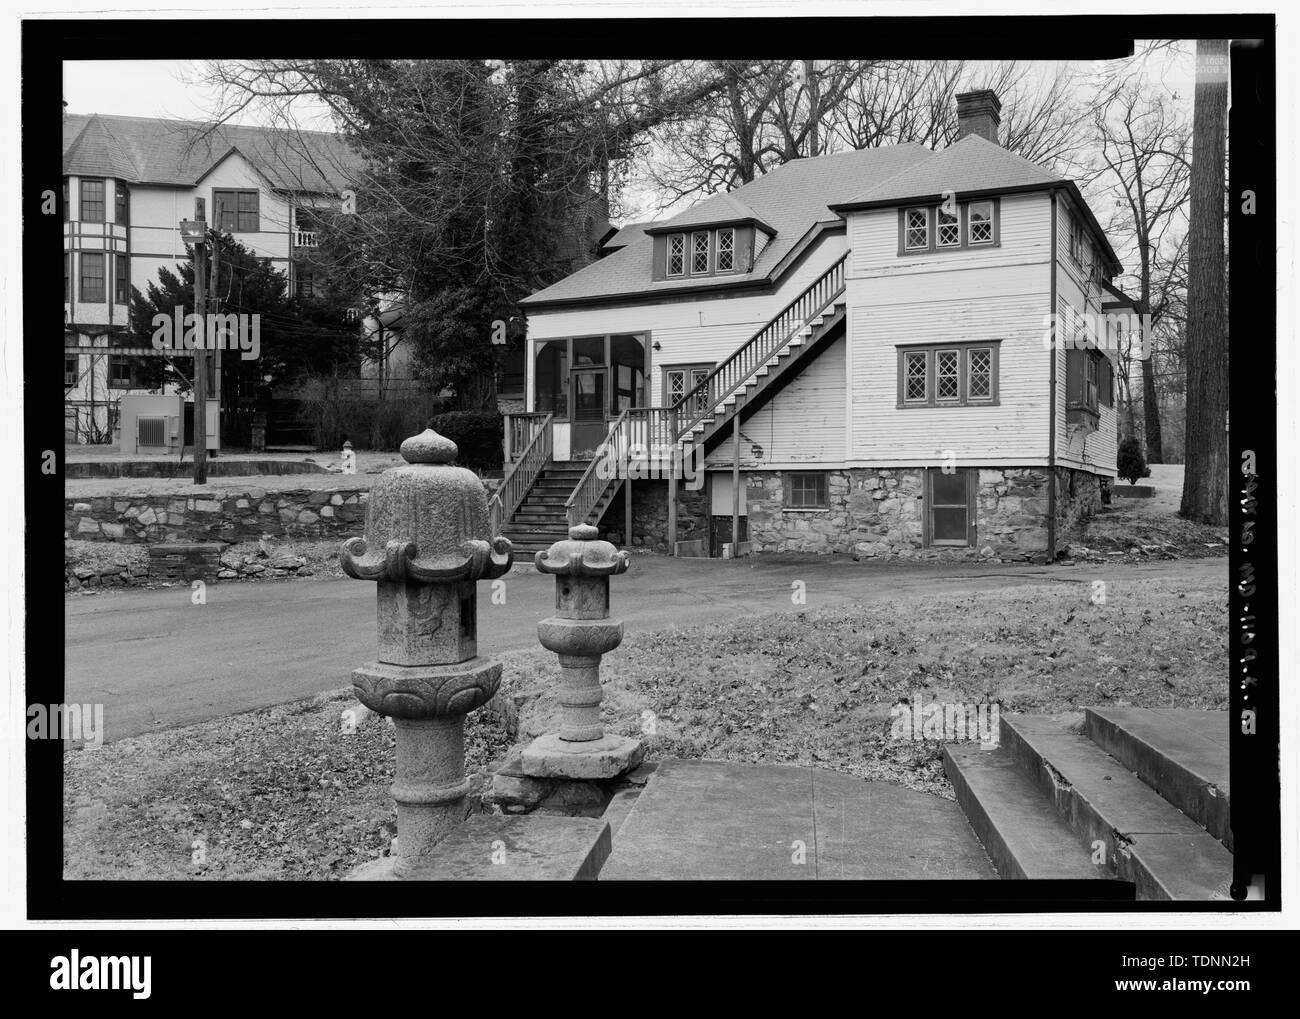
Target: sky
[[152, 88], [174, 89]]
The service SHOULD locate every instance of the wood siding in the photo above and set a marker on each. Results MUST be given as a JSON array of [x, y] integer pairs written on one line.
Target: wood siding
[[1076, 296], [802, 426], [961, 296]]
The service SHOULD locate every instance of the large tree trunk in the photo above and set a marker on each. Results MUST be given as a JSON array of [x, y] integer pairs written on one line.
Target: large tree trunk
[[1205, 482]]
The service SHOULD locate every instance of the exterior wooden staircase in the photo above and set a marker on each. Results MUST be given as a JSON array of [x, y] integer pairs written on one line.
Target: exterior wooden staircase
[[527, 509], [541, 519]]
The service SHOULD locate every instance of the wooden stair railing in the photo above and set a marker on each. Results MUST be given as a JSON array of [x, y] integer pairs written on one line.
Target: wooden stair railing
[[520, 476], [731, 376], [602, 470], [519, 431]]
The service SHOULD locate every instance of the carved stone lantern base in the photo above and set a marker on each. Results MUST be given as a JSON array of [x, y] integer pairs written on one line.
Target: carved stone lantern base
[[552, 756]]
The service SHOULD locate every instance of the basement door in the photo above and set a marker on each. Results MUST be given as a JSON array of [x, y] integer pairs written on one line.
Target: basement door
[[950, 506]]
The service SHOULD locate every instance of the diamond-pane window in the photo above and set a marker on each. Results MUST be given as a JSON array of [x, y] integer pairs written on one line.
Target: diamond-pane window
[[698, 375], [917, 229], [699, 253], [676, 386], [946, 376], [676, 254], [914, 383], [980, 384], [949, 231], [726, 250], [980, 215]]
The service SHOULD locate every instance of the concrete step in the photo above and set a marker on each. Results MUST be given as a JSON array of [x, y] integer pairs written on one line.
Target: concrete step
[[512, 847], [1019, 828], [1148, 840], [1171, 751]]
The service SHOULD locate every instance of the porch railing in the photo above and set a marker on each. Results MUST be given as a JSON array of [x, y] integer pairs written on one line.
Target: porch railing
[[731, 375], [519, 476], [520, 430], [603, 468]]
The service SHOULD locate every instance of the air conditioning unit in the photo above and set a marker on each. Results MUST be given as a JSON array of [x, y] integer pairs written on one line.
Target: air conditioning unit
[[151, 431]]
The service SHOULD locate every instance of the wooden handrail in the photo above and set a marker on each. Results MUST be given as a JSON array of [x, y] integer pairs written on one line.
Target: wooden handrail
[[520, 475], [591, 486], [703, 400], [519, 431]]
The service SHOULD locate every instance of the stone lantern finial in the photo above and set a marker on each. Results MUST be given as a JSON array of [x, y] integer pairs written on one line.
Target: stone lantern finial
[[427, 541], [581, 632]]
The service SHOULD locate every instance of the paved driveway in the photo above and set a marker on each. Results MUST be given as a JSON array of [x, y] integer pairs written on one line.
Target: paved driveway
[[155, 660]]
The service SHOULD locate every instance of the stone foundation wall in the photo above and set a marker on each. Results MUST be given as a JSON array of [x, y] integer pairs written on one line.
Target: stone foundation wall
[[1078, 497], [650, 516], [878, 512]]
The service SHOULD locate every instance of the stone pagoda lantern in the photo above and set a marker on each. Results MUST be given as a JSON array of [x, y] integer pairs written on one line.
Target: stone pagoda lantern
[[427, 542], [581, 632]]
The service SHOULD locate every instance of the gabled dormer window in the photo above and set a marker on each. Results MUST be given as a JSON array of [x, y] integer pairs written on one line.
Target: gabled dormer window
[[700, 253], [676, 254], [917, 229], [726, 249], [707, 251], [949, 228]]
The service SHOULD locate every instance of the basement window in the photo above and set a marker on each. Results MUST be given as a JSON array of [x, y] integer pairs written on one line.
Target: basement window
[[806, 490]]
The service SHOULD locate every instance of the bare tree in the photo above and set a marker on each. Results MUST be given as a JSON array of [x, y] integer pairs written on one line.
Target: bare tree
[[1205, 481], [1142, 146]]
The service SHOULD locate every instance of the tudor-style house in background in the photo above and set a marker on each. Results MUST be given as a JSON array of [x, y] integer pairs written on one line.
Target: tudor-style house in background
[[128, 183], [876, 352]]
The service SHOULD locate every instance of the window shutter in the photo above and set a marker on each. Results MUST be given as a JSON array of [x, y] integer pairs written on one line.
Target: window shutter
[[1074, 388], [1104, 382]]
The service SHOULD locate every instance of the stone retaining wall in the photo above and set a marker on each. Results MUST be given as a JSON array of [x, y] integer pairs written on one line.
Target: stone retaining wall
[[227, 516]]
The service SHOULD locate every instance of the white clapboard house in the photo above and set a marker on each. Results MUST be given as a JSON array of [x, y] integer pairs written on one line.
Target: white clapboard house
[[878, 352]]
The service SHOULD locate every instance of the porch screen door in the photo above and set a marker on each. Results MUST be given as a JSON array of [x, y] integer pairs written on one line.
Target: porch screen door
[[589, 425]]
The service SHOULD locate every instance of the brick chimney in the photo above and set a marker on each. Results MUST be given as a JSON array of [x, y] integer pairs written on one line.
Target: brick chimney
[[979, 113]]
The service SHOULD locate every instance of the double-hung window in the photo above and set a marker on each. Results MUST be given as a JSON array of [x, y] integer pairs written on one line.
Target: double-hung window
[[916, 229], [92, 277], [949, 228], [979, 227], [726, 250], [676, 255], [92, 201], [121, 279], [699, 253]]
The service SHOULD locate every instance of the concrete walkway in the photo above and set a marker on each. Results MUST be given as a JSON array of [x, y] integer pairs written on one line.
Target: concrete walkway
[[155, 661], [714, 820]]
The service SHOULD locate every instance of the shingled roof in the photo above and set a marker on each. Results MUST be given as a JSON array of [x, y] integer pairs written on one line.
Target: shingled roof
[[145, 150], [790, 201], [971, 164]]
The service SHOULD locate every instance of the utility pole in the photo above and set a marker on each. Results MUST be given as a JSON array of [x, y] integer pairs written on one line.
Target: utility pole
[[215, 287], [196, 233]]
